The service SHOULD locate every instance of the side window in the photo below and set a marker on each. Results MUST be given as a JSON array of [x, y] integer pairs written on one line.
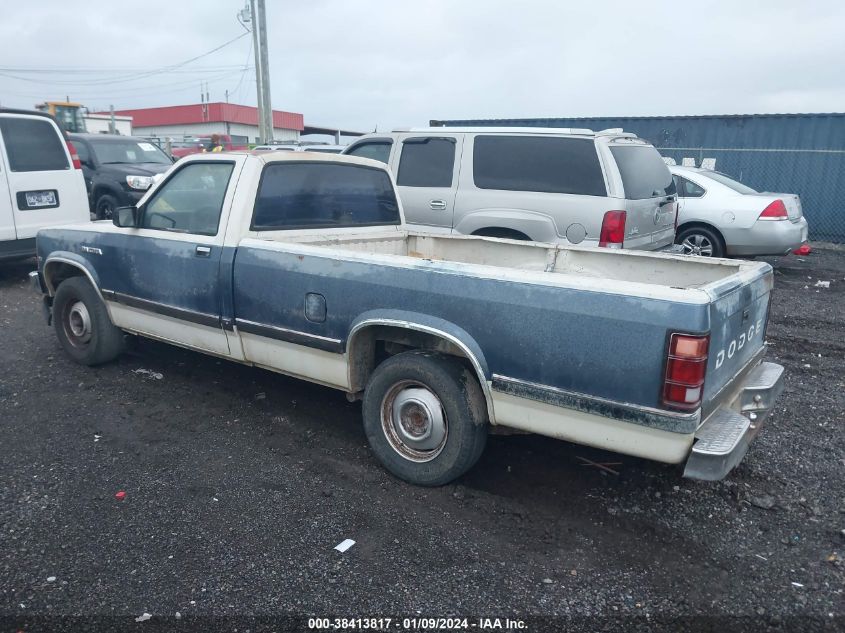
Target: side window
[[688, 189], [377, 150], [82, 151], [426, 162], [295, 195], [33, 144], [190, 201], [537, 163]]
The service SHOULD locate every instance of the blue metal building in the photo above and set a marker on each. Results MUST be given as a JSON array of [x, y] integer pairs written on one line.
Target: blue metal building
[[791, 153]]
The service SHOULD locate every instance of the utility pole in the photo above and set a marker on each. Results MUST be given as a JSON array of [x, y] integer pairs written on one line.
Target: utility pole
[[265, 72], [259, 84]]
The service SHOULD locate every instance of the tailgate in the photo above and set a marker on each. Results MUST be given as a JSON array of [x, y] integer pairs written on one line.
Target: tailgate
[[739, 314]]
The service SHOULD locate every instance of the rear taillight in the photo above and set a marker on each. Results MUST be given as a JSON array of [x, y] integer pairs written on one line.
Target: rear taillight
[[612, 229], [775, 211], [74, 157], [686, 366]]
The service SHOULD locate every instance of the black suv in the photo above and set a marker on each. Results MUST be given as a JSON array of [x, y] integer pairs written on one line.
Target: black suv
[[118, 169]]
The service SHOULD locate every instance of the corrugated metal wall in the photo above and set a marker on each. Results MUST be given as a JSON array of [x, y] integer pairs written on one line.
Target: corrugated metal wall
[[790, 153]]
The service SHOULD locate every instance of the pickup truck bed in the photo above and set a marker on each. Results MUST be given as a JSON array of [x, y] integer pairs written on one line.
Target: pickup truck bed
[[652, 355]]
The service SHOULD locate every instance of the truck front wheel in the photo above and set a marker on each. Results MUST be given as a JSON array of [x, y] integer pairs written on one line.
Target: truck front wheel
[[425, 417], [82, 324]]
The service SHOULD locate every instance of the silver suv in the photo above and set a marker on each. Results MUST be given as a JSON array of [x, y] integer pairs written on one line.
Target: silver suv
[[569, 186]]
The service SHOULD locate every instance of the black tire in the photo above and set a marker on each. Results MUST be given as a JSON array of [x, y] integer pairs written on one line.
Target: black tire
[[463, 409], [702, 241], [106, 204], [82, 324]]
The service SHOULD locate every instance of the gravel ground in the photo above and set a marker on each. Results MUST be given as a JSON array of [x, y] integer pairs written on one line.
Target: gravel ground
[[240, 482]]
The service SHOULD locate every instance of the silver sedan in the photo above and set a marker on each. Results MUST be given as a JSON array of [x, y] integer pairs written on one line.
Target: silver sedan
[[719, 216]]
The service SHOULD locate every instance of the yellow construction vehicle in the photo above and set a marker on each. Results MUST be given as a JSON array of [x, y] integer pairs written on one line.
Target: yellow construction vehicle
[[69, 115]]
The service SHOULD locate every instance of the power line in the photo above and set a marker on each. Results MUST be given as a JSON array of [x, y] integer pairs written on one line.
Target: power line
[[135, 76]]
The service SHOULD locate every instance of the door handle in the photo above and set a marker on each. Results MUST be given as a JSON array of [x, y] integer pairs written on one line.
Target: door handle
[[203, 251], [437, 205]]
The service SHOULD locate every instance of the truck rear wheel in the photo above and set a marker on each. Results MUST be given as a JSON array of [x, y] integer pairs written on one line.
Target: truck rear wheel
[[82, 324], [425, 417]]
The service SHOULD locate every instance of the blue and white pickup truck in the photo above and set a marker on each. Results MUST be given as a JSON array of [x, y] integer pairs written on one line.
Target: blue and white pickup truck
[[302, 264]]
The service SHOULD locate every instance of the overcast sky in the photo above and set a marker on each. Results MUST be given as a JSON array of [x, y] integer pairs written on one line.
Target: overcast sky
[[367, 63]]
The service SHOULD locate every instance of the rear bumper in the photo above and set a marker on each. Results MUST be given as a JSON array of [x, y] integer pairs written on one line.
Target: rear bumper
[[767, 238], [723, 439]]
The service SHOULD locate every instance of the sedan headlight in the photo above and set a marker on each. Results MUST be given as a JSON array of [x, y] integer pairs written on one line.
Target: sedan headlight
[[139, 182]]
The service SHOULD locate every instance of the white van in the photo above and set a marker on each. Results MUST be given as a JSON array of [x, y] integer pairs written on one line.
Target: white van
[[41, 182], [560, 185]]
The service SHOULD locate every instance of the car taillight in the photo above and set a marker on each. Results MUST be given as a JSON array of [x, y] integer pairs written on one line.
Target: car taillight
[[686, 366], [74, 157], [612, 229], [775, 211]]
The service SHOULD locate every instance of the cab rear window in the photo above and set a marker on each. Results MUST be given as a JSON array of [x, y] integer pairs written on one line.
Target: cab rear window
[[644, 174], [33, 144], [537, 163], [323, 195]]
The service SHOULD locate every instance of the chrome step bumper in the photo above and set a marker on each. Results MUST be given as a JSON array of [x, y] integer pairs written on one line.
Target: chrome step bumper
[[723, 439]]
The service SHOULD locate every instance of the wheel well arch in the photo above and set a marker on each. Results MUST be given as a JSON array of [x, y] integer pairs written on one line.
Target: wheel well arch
[[102, 188], [56, 270], [365, 338], [502, 232], [699, 223]]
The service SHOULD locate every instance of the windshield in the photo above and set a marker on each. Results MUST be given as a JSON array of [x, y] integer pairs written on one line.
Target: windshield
[[728, 182], [644, 174], [128, 151]]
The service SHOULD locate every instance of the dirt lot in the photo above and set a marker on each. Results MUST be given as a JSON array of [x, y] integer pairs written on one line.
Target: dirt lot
[[239, 483]]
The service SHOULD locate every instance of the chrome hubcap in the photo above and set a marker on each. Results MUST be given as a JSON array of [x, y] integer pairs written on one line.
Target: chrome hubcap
[[79, 323], [698, 245], [413, 421]]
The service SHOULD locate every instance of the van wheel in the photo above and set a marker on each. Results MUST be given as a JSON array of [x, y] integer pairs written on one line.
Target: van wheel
[[701, 241], [425, 417], [106, 204], [82, 324]]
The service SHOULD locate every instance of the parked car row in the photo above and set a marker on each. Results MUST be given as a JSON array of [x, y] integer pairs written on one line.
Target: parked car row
[[564, 186], [575, 186]]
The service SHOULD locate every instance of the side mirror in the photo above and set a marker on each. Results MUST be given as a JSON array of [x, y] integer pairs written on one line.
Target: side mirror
[[126, 217]]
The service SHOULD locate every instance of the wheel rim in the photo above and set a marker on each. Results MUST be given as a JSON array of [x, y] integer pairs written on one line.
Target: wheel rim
[[413, 421], [698, 244], [77, 324]]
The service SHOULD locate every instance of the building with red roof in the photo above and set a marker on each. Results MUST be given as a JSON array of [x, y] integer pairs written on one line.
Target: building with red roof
[[202, 119]]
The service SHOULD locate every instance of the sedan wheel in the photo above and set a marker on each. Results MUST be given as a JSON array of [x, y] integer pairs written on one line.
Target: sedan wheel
[[698, 245], [702, 241]]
